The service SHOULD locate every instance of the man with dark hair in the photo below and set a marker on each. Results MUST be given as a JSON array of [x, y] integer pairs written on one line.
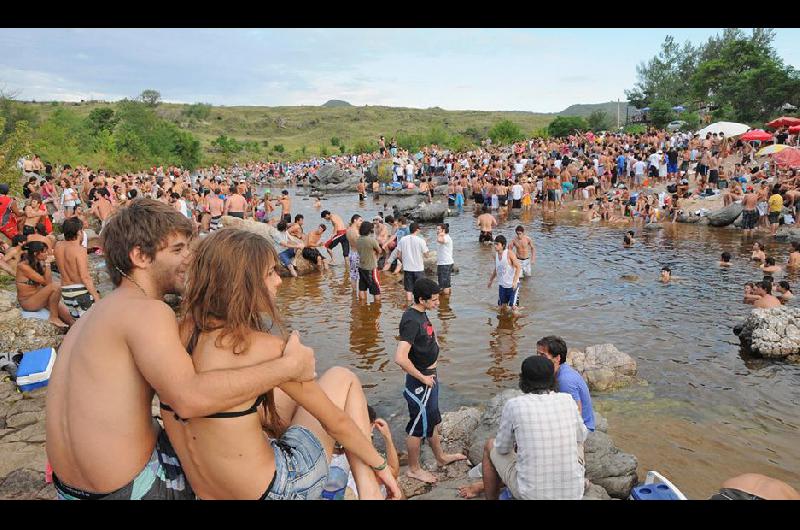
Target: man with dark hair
[[368, 251], [101, 438], [289, 250], [339, 236], [568, 380], [535, 453], [77, 288], [766, 299], [508, 271], [411, 250], [417, 354], [102, 207]]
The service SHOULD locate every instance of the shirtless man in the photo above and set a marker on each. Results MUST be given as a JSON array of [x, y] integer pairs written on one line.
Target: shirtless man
[[33, 214], [9, 260], [102, 208], [486, 223], [235, 204], [794, 255], [522, 247], [338, 237], [102, 441], [749, 211], [313, 242], [77, 288], [361, 187], [286, 206], [296, 228], [763, 290], [216, 207], [769, 266]]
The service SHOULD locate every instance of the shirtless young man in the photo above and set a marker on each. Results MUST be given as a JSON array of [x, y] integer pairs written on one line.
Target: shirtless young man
[[339, 235], [522, 247], [311, 250], [286, 206], [9, 260], [486, 223], [763, 290], [235, 204], [102, 208], [794, 255], [769, 266], [361, 187], [102, 441], [77, 288], [216, 207]]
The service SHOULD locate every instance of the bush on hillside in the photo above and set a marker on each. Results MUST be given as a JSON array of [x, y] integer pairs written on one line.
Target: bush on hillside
[[566, 125], [505, 132], [198, 111]]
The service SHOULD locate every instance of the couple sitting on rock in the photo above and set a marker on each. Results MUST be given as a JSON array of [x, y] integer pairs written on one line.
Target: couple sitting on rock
[[243, 415]]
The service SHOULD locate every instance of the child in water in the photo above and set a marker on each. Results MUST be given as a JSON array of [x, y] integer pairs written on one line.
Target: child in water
[[666, 274], [725, 259], [628, 241]]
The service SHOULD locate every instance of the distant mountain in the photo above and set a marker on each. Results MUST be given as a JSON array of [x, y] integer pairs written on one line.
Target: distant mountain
[[336, 103], [610, 108]]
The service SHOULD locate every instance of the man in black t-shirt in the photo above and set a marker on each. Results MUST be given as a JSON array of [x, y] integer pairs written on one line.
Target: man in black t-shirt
[[417, 354]]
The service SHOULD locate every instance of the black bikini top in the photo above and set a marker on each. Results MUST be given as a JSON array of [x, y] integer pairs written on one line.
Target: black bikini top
[[236, 414]]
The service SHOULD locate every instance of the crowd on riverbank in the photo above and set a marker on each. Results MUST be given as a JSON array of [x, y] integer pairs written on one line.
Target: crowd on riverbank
[[147, 249]]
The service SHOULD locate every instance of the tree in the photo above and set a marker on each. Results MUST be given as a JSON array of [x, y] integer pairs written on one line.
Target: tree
[[664, 76], [341, 149], [12, 148], [279, 148], [599, 120], [505, 132], [198, 111], [101, 119], [335, 141], [150, 97], [566, 125], [661, 113]]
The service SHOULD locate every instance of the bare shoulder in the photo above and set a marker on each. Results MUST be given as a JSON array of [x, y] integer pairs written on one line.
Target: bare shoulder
[[265, 347]]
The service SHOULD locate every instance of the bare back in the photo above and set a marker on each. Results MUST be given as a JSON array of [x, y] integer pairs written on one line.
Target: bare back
[[72, 261]]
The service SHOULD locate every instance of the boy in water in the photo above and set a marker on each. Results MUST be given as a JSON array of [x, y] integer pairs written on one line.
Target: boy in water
[[508, 271], [666, 274], [725, 259], [523, 249]]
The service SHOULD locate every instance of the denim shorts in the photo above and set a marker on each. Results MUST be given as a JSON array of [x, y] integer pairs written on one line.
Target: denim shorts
[[301, 466]]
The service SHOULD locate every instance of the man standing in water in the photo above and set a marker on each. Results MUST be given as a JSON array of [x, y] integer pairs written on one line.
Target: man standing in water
[[508, 270], [749, 211], [101, 438], [523, 249], [411, 251], [417, 354], [339, 235], [486, 223], [235, 204]]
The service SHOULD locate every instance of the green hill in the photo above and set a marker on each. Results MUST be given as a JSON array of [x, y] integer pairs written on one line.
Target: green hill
[[313, 127], [336, 103], [609, 108]]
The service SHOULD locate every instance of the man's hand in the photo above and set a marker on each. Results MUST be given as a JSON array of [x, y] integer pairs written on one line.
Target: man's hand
[[429, 380], [383, 428], [303, 357], [387, 478], [489, 285]]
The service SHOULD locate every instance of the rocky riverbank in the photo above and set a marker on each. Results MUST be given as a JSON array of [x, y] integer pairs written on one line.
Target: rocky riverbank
[[772, 333]]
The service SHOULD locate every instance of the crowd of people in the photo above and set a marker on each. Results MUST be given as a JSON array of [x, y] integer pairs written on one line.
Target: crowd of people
[[243, 413]]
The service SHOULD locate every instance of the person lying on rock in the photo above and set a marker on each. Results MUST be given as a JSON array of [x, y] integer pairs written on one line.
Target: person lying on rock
[[546, 429]]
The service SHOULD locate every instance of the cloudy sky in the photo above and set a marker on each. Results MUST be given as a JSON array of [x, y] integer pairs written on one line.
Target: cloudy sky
[[478, 69]]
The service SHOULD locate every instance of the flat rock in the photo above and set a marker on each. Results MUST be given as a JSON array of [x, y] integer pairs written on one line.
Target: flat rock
[[24, 418], [725, 215], [603, 367], [22, 484]]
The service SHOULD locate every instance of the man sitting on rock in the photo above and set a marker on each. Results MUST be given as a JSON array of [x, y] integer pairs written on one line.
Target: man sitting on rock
[[569, 381], [546, 429]]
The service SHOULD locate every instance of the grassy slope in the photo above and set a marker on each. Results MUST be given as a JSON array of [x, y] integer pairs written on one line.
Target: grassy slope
[[609, 107], [314, 126]]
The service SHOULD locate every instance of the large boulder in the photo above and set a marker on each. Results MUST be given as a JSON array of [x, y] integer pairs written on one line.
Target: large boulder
[[333, 178], [380, 170], [725, 215], [406, 205], [433, 212], [603, 367], [772, 333], [266, 230]]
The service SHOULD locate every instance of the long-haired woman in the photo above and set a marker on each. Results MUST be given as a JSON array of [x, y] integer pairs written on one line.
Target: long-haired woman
[[36, 289], [280, 446]]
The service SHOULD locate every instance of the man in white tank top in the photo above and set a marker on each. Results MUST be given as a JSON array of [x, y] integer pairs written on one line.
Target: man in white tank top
[[508, 270]]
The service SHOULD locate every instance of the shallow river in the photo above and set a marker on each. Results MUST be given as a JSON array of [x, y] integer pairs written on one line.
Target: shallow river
[[706, 413]]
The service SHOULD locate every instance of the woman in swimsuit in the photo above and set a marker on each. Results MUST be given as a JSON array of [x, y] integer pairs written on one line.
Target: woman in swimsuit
[[36, 289], [758, 252], [280, 446]]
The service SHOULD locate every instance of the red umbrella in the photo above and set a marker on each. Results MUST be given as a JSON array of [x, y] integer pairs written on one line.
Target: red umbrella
[[794, 129], [783, 121], [757, 134], [789, 157]]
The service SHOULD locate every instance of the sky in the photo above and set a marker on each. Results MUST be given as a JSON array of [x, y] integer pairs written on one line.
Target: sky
[[539, 70]]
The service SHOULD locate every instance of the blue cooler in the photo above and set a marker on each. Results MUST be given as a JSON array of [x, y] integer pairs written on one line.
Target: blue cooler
[[35, 368], [653, 492]]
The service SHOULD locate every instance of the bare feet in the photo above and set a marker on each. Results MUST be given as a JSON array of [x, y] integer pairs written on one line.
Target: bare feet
[[449, 459], [57, 322], [422, 475], [471, 491]]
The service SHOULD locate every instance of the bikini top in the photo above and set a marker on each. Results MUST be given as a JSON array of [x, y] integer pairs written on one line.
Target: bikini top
[[260, 400]]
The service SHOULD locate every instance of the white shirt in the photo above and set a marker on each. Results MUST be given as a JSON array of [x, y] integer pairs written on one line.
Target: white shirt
[[639, 167], [516, 191], [518, 167], [505, 272], [412, 248], [444, 256], [547, 429]]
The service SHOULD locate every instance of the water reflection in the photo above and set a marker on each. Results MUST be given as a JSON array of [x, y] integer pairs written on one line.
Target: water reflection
[[366, 339]]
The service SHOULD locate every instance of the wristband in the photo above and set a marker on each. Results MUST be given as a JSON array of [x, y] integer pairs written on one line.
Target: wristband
[[380, 467]]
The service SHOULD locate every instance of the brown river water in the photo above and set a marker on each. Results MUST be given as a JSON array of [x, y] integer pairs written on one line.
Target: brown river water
[[706, 413]]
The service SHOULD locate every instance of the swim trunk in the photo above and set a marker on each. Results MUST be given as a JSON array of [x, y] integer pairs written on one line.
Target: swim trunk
[[526, 267], [478, 198], [215, 223], [301, 466], [713, 176], [551, 195], [311, 254], [672, 168], [77, 299], [459, 200], [516, 204], [423, 406], [355, 260], [762, 209], [240, 215], [749, 219], [286, 256], [287, 217], [451, 200], [526, 201], [485, 236], [161, 478], [361, 197], [443, 273], [508, 296], [368, 281], [774, 217], [732, 494], [339, 238], [410, 278]]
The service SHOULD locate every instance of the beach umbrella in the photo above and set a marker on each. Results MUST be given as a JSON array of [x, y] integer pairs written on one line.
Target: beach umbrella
[[728, 128], [789, 157], [794, 129], [771, 149], [756, 135], [783, 121]]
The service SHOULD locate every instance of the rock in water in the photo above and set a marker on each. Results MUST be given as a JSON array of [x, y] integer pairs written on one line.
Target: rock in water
[[603, 367], [772, 333], [430, 212], [332, 178], [725, 216]]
